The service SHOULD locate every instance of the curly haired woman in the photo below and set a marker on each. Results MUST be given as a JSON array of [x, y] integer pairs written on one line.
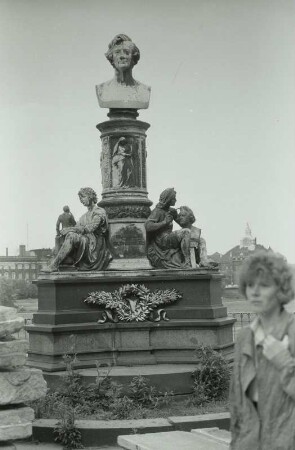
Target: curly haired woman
[[262, 394]]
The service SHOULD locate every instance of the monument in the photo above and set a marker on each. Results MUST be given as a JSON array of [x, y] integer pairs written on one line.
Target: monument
[[123, 157], [135, 292]]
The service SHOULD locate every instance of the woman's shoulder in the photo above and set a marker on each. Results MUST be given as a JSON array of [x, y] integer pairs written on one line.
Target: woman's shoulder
[[244, 335]]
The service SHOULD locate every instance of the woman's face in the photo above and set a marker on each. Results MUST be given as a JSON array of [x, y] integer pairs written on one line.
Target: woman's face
[[262, 294]]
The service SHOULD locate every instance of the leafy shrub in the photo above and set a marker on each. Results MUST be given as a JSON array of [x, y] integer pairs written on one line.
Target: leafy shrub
[[6, 292], [11, 290], [211, 378], [24, 289]]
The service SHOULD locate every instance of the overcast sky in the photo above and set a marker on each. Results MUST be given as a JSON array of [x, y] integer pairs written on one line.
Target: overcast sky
[[222, 111]]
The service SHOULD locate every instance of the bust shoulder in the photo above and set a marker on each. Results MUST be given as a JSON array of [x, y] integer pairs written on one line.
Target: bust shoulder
[[112, 94]]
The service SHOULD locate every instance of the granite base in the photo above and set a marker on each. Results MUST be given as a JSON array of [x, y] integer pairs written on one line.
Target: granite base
[[65, 324]]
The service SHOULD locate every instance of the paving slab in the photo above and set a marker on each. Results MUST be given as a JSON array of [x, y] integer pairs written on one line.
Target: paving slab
[[215, 433], [172, 440]]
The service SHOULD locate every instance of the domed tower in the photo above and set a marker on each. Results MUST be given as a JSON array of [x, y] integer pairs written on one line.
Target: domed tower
[[248, 241]]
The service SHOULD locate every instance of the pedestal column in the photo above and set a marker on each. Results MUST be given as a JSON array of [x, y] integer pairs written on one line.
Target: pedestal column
[[124, 194]]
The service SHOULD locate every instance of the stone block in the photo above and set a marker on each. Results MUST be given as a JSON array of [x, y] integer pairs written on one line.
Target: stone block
[[16, 423], [21, 385], [9, 321], [184, 337], [13, 353], [171, 440], [135, 339]]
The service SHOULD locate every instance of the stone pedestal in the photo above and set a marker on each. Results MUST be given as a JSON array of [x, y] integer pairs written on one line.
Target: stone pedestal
[[65, 324], [124, 194]]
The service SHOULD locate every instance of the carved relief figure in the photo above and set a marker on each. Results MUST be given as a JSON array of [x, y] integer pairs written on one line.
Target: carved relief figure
[[128, 242], [122, 164], [198, 249], [123, 91], [167, 249], [85, 243]]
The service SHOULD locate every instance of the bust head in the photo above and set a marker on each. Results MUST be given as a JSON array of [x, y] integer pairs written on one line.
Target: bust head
[[186, 217], [122, 52], [123, 91]]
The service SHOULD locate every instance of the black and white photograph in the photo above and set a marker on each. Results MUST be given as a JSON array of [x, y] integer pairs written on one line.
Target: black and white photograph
[[147, 228]]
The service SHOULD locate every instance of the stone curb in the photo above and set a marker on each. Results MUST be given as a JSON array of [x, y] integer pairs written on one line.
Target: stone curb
[[102, 432]]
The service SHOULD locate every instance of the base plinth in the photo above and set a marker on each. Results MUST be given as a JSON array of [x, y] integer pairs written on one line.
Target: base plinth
[[65, 324]]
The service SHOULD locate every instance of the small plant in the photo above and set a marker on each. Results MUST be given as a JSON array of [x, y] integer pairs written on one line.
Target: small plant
[[145, 395], [199, 397], [122, 407], [142, 393], [67, 433], [211, 378]]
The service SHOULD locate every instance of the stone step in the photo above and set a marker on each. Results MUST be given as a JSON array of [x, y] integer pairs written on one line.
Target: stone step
[[165, 377], [171, 440]]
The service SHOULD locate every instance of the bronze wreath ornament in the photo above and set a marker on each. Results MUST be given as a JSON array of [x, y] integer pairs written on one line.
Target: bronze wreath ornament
[[133, 303]]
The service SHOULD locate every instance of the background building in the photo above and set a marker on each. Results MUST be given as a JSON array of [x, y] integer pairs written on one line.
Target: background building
[[231, 262], [26, 265]]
